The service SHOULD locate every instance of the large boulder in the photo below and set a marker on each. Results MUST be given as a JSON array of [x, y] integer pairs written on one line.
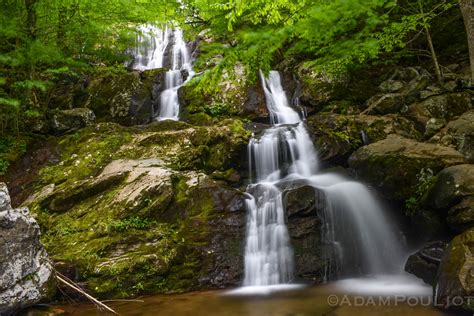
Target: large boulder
[[454, 286], [26, 274], [453, 194], [395, 164], [459, 134], [425, 262], [337, 136]]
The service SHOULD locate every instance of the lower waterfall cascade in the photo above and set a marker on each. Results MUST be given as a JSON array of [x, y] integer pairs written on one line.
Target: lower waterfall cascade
[[361, 239]]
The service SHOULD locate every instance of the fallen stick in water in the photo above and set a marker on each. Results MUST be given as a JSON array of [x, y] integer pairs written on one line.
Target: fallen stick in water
[[61, 278]]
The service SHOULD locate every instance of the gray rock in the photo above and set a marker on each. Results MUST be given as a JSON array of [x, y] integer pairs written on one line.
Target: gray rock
[[70, 120], [4, 197], [26, 274]]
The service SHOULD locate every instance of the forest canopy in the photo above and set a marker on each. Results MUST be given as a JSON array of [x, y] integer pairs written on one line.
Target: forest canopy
[[44, 40]]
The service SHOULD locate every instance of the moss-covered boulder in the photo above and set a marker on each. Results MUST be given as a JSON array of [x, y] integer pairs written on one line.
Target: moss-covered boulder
[[453, 195], [454, 286], [134, 210], [459, 134], [394, 165], [337, 136]]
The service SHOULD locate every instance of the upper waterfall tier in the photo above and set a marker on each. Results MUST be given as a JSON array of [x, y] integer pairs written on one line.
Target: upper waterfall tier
[[150, 48]]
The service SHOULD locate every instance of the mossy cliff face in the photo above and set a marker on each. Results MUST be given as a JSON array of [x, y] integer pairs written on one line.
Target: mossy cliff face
[[125, 97], [135, 210]]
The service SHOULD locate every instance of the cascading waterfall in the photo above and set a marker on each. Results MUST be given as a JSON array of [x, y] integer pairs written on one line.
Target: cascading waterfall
[[150, 48], [180, 72], [362, 240]]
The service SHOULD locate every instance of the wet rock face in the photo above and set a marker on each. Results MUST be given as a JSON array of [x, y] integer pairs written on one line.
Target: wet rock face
[[303, 205], [394, 164], [26, 275], [425, 262], [454, 278]]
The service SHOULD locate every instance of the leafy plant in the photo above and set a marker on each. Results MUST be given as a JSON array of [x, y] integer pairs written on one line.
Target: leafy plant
[[426, 179], [131, 223]]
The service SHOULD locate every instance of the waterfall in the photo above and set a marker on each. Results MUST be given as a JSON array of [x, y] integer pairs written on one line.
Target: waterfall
[[152, 46], [362, 239], [180, 72]]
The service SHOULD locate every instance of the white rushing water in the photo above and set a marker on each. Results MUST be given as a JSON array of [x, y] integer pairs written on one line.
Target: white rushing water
[[150, 47], [363, 242], [175, 77], [150, 53]]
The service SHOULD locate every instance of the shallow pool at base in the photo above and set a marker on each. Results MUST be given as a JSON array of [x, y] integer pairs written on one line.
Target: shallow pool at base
[[359, 297]]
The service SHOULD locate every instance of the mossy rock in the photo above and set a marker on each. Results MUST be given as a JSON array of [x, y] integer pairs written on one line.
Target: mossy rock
[[148, 231], [337, 136], [394, 164], [454, 286]]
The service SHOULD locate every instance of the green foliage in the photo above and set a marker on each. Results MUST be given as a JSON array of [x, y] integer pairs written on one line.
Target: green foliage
[[331, 36], [11, 148], [44, 41], [217, 109], [426, 179]]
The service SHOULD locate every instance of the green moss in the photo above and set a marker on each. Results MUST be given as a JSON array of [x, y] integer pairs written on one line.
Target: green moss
[[85, 153]]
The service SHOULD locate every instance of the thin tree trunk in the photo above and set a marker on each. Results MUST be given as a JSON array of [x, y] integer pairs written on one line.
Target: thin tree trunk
[[439, 74], [467, 10], [31, 18]]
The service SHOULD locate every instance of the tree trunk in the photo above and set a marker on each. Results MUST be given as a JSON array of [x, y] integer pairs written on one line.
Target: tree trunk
[[31, 18], [439, 74], [467, 10]]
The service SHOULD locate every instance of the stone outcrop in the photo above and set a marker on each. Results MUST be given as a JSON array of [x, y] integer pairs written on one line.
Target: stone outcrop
[[26, 274]]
